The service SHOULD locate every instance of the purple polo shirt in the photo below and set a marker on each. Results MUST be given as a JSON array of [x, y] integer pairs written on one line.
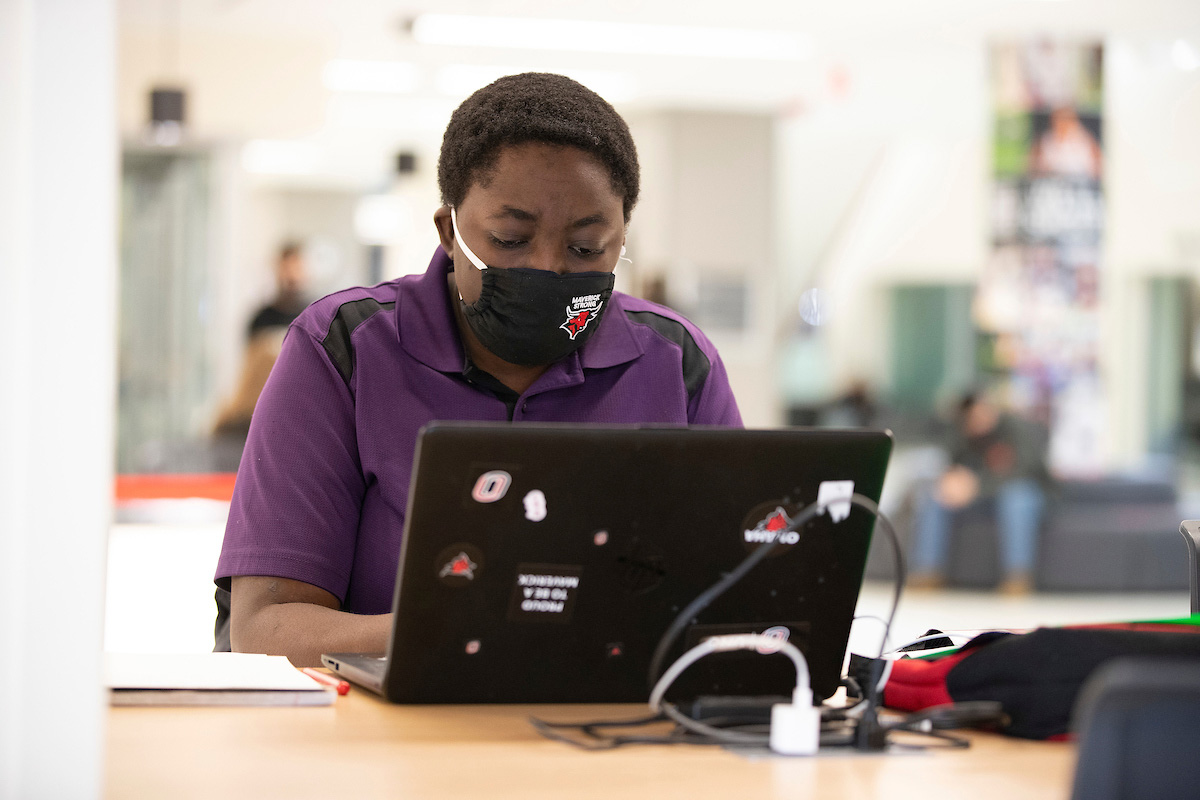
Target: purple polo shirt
[[323, 483]]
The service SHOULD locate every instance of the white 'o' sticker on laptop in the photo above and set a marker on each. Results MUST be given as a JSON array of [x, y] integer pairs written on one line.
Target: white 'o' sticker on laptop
[[834, 496], [544, 592], [491, 486], [535, 505]]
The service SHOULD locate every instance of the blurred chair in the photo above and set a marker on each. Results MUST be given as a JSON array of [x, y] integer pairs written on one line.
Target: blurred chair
[[1138, 722], [1190, 528], [1114, 534]]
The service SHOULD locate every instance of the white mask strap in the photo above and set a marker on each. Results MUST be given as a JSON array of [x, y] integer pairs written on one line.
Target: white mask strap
[[474, 259]]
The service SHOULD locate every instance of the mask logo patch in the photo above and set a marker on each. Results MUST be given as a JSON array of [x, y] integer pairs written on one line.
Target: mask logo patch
[[580, 313], [459, 564]]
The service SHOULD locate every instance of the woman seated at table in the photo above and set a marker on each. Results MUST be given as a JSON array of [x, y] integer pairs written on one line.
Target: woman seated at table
[[515, 319]]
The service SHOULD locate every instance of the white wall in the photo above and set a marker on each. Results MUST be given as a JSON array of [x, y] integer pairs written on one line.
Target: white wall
[[706, 212], [58, 156]]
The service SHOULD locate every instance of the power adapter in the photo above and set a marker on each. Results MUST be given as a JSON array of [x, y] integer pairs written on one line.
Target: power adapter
[[796, 727]]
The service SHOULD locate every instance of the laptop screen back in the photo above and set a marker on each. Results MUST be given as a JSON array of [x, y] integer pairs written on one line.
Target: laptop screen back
[[543, 563]]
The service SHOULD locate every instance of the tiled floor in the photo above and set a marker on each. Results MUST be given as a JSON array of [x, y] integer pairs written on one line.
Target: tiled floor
[[159, 597]]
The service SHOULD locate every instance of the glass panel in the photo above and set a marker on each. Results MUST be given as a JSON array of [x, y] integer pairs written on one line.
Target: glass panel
[[165, 374]]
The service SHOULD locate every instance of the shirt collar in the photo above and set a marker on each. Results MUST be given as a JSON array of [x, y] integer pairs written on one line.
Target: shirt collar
[[428, 332]]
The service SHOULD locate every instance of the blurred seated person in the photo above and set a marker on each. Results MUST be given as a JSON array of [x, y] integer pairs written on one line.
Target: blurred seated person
[[291, 282], [233, 421], [996, 457], [264, 342], [855, 408]]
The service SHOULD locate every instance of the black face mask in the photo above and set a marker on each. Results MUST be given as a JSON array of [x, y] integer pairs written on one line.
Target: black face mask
[[533, 317]]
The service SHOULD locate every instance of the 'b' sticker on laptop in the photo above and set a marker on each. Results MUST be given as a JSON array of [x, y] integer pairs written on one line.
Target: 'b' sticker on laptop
[[544, 592]]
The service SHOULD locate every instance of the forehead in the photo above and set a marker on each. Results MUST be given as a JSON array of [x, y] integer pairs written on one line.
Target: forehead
[[536, 175]]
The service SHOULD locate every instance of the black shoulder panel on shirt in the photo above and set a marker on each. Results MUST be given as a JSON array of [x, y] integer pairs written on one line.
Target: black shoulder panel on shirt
[[337, 342], [695, 364]]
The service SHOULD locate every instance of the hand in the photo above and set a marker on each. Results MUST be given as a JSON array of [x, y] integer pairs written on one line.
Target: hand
[[957, 488]]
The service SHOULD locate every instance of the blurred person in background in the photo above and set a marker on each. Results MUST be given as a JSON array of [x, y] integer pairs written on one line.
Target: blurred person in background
[[515, 319], [854, 408], [291, 287], [997, 458], [264, 340]]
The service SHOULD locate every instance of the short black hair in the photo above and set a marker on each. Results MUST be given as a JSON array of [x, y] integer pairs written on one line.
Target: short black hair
[[534, 107]]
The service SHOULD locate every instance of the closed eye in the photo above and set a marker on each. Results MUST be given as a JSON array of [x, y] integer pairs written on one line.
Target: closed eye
[[506, 244], [587, 252]]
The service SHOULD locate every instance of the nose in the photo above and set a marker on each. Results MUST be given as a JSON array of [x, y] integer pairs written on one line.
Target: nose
[[548, 256]]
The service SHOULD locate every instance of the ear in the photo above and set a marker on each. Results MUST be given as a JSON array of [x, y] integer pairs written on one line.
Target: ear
[[441, 221]]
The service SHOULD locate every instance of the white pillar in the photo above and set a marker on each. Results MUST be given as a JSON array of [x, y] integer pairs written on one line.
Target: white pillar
[[58, 190]]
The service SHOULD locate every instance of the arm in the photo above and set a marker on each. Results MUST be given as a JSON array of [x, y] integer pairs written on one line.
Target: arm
[[295, 516], [280, 616]]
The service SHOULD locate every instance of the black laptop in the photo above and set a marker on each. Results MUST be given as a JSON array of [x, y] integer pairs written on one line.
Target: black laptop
[[543, 563]]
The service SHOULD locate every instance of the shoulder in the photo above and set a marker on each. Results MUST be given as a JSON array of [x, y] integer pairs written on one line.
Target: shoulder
[[332, 321], [659, 326]]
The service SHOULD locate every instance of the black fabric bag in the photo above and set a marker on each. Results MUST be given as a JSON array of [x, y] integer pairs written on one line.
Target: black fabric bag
[[1037, 676]]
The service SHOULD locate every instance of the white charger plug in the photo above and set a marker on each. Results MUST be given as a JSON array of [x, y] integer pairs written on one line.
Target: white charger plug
[[796, 728]]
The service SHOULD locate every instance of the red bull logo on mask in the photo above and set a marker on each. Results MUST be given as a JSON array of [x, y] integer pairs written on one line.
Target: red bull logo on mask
[[580, 313]]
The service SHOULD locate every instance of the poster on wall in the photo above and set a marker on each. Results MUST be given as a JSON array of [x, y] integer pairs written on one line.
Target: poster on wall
[[1038, 298]]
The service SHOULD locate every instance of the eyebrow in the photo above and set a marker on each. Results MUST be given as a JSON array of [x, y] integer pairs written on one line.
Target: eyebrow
[[512, 212]]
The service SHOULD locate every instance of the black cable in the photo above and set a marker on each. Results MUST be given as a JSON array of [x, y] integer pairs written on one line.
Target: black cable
[[868, 733], [897, 553], [806, 514], [717, 589]]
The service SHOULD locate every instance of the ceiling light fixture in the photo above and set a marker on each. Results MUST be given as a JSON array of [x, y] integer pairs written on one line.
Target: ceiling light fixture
[[609, 37], [382, 77]]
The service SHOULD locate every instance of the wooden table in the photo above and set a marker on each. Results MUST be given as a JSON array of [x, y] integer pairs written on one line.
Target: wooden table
[[362, 747]]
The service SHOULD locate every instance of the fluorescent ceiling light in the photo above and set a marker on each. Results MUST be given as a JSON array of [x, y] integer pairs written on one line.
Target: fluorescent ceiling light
[[609, 37], [460, 80], [1184, 56], [383, 77]]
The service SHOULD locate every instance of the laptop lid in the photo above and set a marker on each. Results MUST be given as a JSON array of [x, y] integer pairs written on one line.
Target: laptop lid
[[542, 563]]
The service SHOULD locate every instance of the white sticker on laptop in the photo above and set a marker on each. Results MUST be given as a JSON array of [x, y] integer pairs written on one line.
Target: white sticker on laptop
[[535, 505], [544, 592], [834, 497], [491, 486]]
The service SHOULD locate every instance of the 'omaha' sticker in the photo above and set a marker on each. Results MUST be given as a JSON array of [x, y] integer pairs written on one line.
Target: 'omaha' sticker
[[544, 593]]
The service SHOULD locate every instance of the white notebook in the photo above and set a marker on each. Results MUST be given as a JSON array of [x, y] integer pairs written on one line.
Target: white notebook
[[188, 679]]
